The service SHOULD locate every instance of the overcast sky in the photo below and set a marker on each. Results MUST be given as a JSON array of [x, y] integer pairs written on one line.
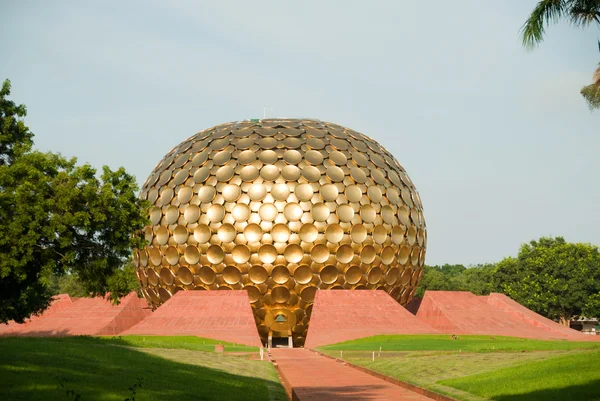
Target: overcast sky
[[498, 141]]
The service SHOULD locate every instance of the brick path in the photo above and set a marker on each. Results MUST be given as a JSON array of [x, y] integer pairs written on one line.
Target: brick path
[[315, 377]]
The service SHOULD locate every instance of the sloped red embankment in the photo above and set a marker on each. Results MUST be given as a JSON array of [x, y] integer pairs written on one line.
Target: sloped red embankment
[[455, 312], [221, 315], [343, 315], [68, 316]]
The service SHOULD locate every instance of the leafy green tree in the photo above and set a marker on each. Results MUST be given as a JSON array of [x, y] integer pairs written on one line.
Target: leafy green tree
[[15, 137], [480, 279], [442, 278], [58, 217], [580, 13], [554, 278], [451, 270], [66, 284], [477, 279], [124, 280]]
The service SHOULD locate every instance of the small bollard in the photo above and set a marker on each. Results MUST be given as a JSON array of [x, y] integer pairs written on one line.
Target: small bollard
[[379, 351], [373, 356], [220, 348], [262, 353], [341, 355]]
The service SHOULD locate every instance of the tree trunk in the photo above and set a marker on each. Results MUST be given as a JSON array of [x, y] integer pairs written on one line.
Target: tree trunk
[[565, 321]]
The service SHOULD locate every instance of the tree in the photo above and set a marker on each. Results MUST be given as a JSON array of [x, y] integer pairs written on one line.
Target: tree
[[15, 137], [58, 217], [591, 93], [441, 278], [477, 279], [480, 279], [554, 278], [66, 284], [124, 282], [580, 13]]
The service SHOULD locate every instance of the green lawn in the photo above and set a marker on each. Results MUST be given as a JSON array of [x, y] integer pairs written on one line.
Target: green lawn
[[464, 343], [103, 369], [176, 342], [477, 368], [568, 377]]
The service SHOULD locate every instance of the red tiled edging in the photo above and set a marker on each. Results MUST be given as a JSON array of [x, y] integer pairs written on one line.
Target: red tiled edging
[[408, 386], [289, 391]]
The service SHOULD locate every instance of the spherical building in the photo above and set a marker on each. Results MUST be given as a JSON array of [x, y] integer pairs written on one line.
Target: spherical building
[[281, 208]]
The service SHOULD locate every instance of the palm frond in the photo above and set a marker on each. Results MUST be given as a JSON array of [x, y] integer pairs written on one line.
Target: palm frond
[[596, 77], [584, 12], [591, 93], [546, 11]]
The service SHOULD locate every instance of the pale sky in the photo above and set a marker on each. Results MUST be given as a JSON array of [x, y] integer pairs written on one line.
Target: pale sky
[[497, 139]]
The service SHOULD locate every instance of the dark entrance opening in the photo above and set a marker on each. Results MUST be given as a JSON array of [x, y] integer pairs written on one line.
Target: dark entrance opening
[[280, 342]]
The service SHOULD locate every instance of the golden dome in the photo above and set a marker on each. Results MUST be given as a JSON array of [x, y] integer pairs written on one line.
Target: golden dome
[[281, 208]]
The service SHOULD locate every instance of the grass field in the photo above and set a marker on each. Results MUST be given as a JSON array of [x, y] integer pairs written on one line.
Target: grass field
[[477, 368], [568, 377], [179, 342], [464, 343], [105, 368]]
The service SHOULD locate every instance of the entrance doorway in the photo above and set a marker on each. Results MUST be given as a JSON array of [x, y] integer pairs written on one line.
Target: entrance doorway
[[280, 342]]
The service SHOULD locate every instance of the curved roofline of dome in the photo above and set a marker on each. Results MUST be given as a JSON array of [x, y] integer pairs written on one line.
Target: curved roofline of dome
[[279, 119]]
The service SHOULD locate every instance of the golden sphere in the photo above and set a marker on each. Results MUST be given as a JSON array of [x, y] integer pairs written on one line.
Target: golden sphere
[[281, 208]]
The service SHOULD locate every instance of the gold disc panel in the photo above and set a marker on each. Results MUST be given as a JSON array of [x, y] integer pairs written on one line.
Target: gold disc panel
[[281, 208]]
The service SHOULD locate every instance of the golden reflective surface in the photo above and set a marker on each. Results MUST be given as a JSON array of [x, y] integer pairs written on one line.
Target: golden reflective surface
[[282, 208]]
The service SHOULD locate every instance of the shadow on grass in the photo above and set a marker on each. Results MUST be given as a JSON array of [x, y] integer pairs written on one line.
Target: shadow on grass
[[32, 369], [141, 341], [588, 392]]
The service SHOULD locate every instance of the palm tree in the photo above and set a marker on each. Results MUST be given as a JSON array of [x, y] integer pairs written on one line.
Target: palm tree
[[591, 93], [580, 13]]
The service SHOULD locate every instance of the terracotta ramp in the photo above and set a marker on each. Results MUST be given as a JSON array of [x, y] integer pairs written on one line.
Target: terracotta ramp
[[342, 315], [59, 302], [502, 303], [457, 312], [220, 315], [80, 316]]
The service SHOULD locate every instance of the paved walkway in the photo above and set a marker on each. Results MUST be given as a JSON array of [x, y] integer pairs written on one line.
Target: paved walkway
[[315, 377]]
